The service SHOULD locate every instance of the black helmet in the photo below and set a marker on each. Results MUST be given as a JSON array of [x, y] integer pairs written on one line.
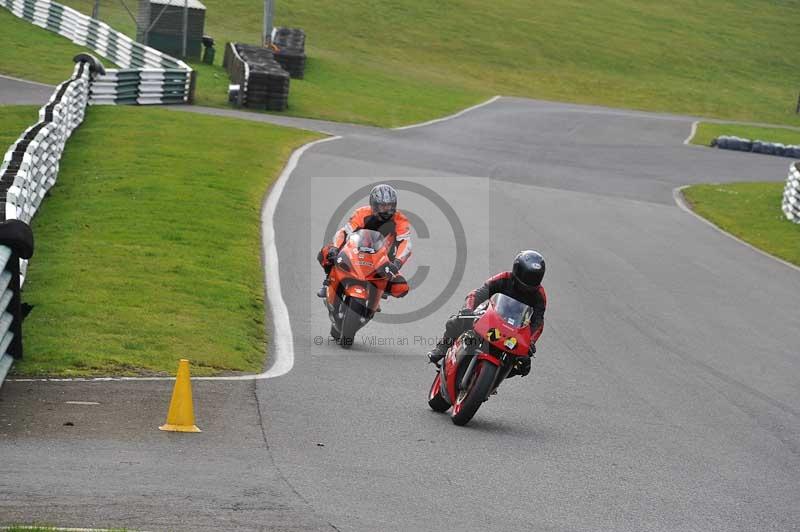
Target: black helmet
[[383, 201], [528, 268]]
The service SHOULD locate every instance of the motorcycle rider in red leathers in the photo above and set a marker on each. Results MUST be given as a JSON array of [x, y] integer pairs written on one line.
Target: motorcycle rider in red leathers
[[522, 283]]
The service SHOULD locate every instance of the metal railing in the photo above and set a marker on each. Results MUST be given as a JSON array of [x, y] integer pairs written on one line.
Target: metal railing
[[29, 169], [31, 164], [10, 310], [146, 76], [239, 72]]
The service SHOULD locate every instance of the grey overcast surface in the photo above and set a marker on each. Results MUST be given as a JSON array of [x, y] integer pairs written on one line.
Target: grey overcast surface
[[14, 91], [664, 395]]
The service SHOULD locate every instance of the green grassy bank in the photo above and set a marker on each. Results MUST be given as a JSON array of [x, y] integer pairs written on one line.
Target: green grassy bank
[[148, 247], [751, 211], [392, 62]]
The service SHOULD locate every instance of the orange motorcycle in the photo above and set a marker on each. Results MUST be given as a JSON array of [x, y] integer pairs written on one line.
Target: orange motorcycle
[[359, 279]]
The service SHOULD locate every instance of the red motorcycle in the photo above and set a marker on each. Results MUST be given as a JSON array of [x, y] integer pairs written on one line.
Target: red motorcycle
[[358, 281], [480, 359]]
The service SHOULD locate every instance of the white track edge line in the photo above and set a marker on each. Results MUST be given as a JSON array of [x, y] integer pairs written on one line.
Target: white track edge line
[[677, 195], [59, 529], [450, 117], [282, 344], [12, 78], [692, 133]]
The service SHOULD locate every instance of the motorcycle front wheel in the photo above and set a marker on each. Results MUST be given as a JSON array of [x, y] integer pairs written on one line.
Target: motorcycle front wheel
[[351, 322], [470, 398]]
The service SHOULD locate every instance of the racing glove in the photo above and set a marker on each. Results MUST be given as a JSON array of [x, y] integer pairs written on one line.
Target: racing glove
[[393, 268], [333, 251]]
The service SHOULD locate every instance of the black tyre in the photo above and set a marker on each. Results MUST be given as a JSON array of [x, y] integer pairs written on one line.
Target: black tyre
[[471, 398], [435, 399], [350, 324]]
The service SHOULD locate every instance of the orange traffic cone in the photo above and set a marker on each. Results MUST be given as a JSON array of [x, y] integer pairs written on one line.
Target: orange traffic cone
[[180, 417]]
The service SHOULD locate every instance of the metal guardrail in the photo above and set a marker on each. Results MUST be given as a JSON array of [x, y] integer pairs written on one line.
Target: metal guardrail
[[28, 170], [143, 87], [10, 311], [791, 194], [30, 166], [146, 76], [239, 72]]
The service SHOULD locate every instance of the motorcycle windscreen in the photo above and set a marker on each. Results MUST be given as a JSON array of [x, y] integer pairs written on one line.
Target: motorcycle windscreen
[[513, 312], [367, 241]]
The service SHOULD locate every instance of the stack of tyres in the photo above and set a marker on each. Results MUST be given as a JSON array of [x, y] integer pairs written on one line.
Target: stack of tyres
[[726, 142], [291, 50], [732, 143], [263, 84], [268, 83]]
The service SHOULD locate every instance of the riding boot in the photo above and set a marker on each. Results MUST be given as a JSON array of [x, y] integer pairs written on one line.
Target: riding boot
[[323, 291], [436, 354]]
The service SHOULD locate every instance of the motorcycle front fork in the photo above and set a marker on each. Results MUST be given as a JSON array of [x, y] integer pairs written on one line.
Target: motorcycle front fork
[[502, 373]]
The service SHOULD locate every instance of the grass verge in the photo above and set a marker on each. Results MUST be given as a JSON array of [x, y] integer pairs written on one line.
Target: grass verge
[[30, 52], [148, 248], [392, 62], [708, 131], [15, 119], [752, 212]]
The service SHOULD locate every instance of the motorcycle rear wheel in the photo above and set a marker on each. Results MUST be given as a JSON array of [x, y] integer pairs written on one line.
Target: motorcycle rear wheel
[[435, 399], [473, 396]]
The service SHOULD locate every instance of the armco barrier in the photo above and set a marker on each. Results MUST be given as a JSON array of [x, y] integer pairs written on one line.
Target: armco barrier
[[238, 71], [144, 87], [30, 166], [10, 311], [146, 76], [791, 194], [29, 169]]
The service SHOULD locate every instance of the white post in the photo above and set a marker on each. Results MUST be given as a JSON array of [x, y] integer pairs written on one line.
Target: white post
[[266, 37]]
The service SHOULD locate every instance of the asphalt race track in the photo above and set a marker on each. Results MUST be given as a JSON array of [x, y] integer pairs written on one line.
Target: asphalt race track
[[664, 395], [17, 92]]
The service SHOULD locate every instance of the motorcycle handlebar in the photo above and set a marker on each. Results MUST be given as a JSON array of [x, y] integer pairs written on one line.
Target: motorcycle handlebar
[[471, 315]]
